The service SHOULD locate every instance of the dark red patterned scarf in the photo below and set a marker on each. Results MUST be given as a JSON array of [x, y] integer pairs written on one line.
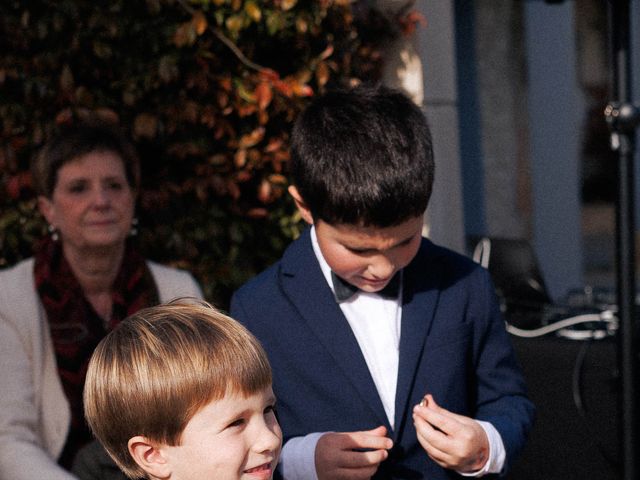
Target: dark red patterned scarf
[[75, 326]]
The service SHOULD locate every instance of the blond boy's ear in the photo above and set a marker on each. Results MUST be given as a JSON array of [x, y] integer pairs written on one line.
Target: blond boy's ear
[[305, 213], [149, 457]]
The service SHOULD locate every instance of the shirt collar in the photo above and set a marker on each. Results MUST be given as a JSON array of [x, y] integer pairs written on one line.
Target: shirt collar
[[324, 266]]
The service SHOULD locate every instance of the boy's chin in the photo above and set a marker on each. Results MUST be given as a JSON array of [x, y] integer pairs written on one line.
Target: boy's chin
[[371, 286]]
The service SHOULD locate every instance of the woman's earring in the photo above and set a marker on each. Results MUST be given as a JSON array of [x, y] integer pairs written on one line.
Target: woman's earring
[[53, 232], [134, 227]]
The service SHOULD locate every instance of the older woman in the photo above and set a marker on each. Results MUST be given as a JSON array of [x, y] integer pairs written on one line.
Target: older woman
[[55, 307]]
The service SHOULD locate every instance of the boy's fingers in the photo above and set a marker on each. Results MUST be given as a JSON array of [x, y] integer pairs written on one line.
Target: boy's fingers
[[367, 440], [439, 456], [433, 435], [430, 402], [356, 442], [464, 447], [436, 444], [380, 431], [354, 459], [440, 419], [351, 455], [438, 434]]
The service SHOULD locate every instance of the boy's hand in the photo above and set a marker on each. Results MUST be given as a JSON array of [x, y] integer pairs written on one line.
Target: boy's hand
[[452, 441], [339, 456]]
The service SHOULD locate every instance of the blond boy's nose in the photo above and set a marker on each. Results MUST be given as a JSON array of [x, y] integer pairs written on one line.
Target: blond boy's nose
[[268, 440]]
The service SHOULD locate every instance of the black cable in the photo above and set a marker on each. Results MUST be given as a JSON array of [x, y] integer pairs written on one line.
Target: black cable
[[576, 383], [576, 378]]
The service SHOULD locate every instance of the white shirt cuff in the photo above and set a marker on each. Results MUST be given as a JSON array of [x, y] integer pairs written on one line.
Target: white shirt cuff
[[497, 454], [298, 457]]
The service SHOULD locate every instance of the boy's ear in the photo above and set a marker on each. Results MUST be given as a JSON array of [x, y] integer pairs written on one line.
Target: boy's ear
[[305, 213], [149, 457]]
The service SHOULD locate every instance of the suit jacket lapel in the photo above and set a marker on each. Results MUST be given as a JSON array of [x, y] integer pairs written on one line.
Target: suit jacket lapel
[[420, 298], [299, 276]]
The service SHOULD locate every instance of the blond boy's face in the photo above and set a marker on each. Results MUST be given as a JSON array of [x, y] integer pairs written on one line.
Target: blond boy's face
[[231, 438]]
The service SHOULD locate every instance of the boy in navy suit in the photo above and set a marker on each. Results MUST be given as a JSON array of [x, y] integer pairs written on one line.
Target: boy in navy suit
[[389, 353]]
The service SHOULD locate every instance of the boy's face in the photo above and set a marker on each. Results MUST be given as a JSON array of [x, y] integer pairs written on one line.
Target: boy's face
[[369, 257], [231, 438]]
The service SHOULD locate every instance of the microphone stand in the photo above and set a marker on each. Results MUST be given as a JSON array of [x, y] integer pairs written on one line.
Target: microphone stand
[[622, 118]]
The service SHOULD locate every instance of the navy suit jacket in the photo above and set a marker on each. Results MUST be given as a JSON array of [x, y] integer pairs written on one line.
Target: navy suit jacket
[[453, 345]]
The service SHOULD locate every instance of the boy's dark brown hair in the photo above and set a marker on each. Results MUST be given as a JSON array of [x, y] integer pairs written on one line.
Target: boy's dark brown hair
[[363, 157]]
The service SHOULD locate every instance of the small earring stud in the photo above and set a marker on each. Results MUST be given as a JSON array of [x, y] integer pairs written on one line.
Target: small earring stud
[[134, 227], [53, 232]]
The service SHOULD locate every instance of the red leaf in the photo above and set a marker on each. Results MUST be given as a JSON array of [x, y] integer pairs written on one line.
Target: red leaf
[[257, 213], [251, 139], [411, 21], [269, 75], [145, 125], [322, 73], [264, 95], [265, 192], [199, 22], [240, 158], [274, 144], [284, 88]]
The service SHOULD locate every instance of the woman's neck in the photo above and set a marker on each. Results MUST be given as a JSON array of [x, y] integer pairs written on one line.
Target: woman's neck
[[96, 270]]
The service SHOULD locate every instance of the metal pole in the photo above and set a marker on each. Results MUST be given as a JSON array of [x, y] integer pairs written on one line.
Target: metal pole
[[622, 118]]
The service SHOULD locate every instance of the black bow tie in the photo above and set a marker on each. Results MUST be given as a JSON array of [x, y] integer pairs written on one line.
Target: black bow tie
[[344, 290]]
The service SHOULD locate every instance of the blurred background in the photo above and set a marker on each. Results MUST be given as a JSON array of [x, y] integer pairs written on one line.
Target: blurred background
[[514, 90]]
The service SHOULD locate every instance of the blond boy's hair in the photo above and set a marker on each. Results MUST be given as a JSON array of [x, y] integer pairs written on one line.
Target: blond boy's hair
[[159, 367]]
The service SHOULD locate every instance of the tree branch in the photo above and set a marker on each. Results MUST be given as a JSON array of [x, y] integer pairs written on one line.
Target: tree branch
[[225, 40]]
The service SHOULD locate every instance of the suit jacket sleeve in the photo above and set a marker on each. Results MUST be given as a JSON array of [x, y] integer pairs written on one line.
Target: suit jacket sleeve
[[501, 392]]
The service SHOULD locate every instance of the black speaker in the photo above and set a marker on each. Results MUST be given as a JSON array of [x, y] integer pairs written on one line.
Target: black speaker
[[518, 280]]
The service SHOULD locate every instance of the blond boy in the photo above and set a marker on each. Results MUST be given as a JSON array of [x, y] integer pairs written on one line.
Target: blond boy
[[183, 392]]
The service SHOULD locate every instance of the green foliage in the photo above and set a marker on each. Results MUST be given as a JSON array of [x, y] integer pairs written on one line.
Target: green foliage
[[207, 89]]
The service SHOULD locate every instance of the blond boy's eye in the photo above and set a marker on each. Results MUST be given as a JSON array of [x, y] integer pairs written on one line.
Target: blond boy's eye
[[236, 423]]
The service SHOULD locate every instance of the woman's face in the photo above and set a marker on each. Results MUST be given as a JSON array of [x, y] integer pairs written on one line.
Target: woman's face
[[92, 203]]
